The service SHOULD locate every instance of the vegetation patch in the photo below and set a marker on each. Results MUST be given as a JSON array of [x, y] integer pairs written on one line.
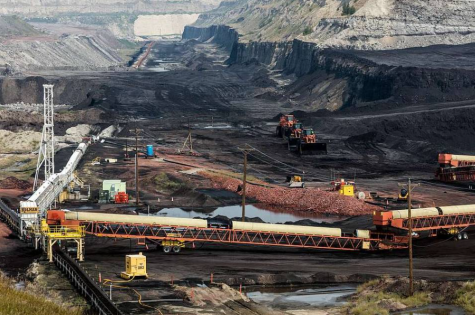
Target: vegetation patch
[[165, 182], [465, 297], [382, 303], [386, 295], [13, 302], [307, 31], [348, 10]]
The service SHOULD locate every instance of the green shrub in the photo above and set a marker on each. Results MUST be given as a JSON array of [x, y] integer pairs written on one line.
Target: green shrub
[[368, 303], [307, 30], [163, 182], [348, 10], [465, 297]]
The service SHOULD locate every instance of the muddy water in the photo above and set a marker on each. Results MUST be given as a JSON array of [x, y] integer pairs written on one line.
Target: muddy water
[[251, 212], [292, 298]]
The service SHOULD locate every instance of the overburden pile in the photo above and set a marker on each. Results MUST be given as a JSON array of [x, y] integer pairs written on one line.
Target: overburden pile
[[309, 200]]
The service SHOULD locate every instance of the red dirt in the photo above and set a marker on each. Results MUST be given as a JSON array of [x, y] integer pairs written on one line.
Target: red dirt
[[309, 200], [14, 183]]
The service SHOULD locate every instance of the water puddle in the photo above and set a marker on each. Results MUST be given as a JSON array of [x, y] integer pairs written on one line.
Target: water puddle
[[433, 309], [162, 65], [251, 212], [291, 298]]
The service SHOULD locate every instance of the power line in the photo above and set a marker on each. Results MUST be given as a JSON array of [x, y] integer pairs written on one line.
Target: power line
[[280, 162], [269, 163]]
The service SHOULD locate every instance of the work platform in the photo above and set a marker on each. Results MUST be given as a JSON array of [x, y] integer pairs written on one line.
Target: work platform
[[53, 234]]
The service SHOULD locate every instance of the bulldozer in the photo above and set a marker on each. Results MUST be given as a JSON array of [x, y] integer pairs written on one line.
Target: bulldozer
[[403, 195], [307, 143], [285, 124]]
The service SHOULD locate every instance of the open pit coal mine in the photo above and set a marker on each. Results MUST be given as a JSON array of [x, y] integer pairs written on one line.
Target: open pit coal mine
[[384, 116]]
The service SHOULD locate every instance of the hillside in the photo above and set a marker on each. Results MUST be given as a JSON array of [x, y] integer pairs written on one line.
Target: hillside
[[14, 26], [26, 48], [57, 7], [369, 24]]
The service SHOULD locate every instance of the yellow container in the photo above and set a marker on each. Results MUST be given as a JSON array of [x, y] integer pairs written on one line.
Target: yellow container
[[135, 266], [347, 190]]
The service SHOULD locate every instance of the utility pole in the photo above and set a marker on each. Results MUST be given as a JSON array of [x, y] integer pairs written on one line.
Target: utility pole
[[245, 151], [188, 144], [137, 192], [410, 187]]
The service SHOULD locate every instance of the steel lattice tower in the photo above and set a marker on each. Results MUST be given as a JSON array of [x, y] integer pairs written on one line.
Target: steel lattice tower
[[46, 152]]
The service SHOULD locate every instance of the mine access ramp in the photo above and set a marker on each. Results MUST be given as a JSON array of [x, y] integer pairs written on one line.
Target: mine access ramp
[[163, 231]]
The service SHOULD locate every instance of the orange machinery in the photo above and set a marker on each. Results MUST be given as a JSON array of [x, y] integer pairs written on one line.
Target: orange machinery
[[286, 122], [295, 133], [121, 197], [307, 143], [454, 168]]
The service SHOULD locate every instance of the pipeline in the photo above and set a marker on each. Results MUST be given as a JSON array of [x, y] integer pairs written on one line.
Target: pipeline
[[144, 57]]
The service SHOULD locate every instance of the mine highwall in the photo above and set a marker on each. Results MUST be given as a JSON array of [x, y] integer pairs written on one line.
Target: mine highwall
[[365, 80]]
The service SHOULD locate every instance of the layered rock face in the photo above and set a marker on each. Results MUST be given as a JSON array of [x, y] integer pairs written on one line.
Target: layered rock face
[[54, 7], [334, 79], [24, 48], [390, 24], [376, 24], [70, 53], [218, 34]]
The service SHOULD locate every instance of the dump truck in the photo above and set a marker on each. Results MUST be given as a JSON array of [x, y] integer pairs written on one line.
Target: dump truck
[[307, 143], [286, 122]]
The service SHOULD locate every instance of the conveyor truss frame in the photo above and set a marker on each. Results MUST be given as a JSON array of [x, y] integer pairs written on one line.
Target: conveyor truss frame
[[440, 222], [141, 232]]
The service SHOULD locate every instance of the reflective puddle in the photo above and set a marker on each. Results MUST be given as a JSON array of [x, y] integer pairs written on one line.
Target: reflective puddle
[[251, 212], [288, 298]]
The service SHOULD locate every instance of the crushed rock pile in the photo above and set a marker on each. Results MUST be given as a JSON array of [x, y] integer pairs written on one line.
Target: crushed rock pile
[[302, 200], [14, 183]]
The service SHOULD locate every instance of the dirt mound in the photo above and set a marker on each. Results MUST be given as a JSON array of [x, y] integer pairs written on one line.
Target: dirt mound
[[14, 183], [301, 200]]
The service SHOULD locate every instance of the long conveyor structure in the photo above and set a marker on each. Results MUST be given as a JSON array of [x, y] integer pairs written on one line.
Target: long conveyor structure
[[177, 231]]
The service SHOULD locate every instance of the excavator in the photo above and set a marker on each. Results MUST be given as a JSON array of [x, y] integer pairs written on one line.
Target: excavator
[[307, 143], [286, 122]]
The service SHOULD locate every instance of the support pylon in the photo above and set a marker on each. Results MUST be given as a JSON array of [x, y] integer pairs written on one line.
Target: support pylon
[[46, 152]]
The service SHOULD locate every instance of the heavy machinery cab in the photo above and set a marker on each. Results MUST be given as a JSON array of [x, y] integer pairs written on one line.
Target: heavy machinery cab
[[296, 130], [403, 194], [308, 136], [286, 122]]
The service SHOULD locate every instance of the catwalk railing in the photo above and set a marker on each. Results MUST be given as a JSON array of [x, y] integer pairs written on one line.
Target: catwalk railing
[[10, 216], [84, 284]]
